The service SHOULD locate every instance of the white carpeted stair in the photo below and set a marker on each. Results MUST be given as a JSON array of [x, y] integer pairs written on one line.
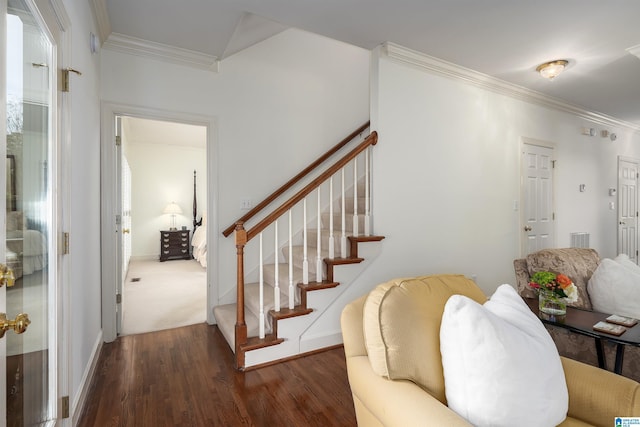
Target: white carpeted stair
[[226, 314]]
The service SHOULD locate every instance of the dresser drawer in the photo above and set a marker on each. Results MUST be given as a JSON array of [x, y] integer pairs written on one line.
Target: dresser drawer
[[174, 244]]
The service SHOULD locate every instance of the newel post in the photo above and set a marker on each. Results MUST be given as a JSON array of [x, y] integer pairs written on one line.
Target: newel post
[[241, 326]]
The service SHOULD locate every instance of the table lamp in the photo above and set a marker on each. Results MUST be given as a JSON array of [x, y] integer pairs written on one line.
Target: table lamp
[[173, 209]]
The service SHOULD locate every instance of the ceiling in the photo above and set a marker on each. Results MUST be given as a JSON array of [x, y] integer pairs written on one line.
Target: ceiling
[[148, 131], [505, 39]]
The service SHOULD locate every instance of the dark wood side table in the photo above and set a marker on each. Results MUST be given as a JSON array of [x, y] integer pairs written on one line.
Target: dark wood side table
[[582, 321], [174, 244]]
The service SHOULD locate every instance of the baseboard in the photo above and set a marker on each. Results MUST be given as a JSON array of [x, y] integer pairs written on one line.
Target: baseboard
[[145, 258], [320, 341], [85, 382]]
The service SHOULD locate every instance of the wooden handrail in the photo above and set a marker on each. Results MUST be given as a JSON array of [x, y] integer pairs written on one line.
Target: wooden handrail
[[227, 231], [372, 139]]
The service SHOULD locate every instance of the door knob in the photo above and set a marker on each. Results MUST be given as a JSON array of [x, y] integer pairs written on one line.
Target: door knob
[[527, 228], [7, 276], [125, 231], [19, 325], [622, 223]]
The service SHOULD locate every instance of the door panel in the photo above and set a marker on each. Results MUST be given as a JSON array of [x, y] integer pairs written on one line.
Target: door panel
[[537, 211], [628, 208], [28, 358]]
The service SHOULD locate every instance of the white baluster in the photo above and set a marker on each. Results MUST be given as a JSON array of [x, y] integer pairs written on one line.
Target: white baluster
[[291, 294], [305, 260], [332, 243], [319, 244], [355, 197], [343, 239], [276, 286], [261, 316], [367, 195]]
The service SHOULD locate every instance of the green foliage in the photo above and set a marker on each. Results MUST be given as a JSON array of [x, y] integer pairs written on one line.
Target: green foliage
[[543, 278]]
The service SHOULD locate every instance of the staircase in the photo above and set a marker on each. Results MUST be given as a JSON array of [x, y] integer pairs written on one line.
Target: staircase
[[301, 276]]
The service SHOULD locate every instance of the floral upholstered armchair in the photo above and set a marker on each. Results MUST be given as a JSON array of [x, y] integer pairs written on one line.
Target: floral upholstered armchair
[[579, 264]]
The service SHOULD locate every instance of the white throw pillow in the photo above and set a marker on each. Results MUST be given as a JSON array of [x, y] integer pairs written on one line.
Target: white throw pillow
[[615, 289], [623, 260], [501, 367]]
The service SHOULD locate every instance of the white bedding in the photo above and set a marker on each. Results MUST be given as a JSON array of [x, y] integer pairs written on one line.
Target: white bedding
[[199, 245], [26, 251]]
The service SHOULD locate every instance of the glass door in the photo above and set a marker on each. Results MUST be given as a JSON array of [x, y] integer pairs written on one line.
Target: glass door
[[27, 349]]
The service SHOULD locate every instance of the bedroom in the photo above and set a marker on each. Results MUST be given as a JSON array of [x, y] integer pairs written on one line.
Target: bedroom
[[167, 174]]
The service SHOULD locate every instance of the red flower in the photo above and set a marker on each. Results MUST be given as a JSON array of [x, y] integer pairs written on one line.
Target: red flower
[[534, 285]]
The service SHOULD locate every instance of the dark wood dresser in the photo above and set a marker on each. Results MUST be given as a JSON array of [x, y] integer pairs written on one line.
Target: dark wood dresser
[[174, 244]]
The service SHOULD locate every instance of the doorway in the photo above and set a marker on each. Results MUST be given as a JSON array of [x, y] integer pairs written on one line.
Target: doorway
[[163, 182], [120, 123], [537, 213]]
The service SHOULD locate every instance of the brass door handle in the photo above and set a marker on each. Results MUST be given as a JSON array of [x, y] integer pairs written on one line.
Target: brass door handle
[[19, 325], [7, 276], [126, 231], [527, 228]]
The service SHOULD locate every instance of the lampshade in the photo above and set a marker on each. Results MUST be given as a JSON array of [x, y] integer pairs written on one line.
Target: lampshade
[[551, 69], [172, 208]]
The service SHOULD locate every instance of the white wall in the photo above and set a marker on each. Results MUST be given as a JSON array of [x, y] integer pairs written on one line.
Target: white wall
[[161, 174], [278, 106], [84, 189], [446, 175]]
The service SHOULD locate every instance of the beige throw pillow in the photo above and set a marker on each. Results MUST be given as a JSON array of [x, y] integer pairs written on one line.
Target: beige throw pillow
[[402, 327]]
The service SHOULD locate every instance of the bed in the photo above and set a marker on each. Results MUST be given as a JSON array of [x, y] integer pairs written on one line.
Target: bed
[[199, 239], [26, 248]]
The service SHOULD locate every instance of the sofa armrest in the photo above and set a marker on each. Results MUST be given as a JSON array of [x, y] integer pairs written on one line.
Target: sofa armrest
[[396, 403], [352, 331], [523, 279], [597, 396]]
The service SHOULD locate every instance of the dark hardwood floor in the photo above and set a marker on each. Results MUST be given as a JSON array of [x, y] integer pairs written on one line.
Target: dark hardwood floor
[[185, 377]]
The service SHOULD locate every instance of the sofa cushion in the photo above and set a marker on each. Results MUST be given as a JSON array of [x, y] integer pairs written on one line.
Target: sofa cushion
[[402, 327], [501, 367], [577, 263], [615, 289]]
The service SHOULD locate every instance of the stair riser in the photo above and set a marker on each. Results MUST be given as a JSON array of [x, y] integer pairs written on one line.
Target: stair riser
[[337, 222], [348, 203], [324, 242], [312, 260], [283, 276]]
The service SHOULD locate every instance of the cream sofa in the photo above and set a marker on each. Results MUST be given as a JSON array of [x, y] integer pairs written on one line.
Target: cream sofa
[[595, 396], [579, 264]]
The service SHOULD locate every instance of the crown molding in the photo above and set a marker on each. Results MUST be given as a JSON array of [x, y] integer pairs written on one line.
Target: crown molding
[[447, 69], [147, 49], [102, 19], [634, 50]]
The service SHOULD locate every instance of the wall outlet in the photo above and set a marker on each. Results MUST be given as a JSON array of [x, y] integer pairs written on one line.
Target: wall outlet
[[246, 204]]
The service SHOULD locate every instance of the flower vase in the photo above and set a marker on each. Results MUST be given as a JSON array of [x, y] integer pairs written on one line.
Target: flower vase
[[552, 303]]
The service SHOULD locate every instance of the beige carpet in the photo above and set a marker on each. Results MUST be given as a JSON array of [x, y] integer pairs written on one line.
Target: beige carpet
[[166, 295]]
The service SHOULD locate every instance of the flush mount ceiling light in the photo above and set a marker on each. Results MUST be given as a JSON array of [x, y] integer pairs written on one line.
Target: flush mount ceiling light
[[551, 69]]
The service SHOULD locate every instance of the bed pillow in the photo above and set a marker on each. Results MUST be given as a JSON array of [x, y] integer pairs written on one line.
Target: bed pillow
[[501, 367], [615, 289]]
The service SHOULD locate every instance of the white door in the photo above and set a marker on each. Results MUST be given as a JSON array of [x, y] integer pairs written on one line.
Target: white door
[[125, 188], [628, 208], [537, 219], [119, 226], [28, 297]]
